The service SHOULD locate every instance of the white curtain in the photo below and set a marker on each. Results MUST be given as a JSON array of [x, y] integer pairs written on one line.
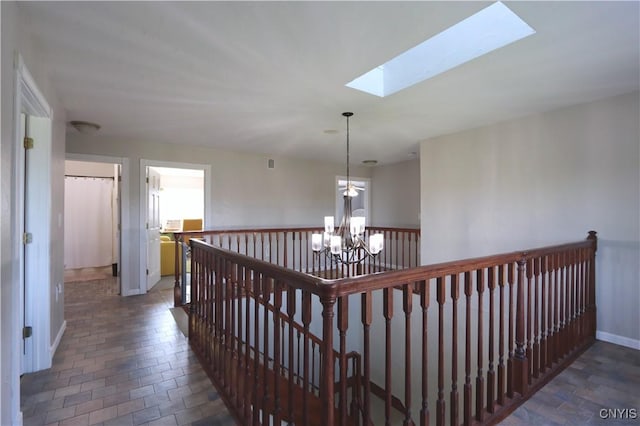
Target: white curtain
[[88, 228]]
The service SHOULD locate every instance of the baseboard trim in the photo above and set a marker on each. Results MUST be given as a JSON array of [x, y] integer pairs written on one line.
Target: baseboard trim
[[618, 340], [133, 292], [54, 346]]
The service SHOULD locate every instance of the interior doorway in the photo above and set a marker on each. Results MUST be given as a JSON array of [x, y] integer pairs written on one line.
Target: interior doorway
[[92, 217], [171, 193]]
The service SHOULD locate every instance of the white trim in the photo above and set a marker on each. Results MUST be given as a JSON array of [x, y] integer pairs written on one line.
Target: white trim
[[29, 100], [31, 96], [132, 292], [124, 260], [54, 345], [208, 211], [618, 340]]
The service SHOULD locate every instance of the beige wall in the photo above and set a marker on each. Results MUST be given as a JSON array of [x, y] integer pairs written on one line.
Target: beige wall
[[395, 198], [540, 180], [15, 40]]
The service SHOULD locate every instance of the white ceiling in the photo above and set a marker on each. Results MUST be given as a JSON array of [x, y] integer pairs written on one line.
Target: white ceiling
[[270, 77]]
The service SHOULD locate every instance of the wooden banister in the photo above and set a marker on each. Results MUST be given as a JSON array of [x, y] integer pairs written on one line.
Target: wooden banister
[[524, 315]]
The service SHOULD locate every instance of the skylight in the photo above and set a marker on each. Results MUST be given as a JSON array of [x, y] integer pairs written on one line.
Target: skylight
[[491, 28]]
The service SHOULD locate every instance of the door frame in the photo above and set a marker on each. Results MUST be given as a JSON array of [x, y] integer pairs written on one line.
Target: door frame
[[208, 220], [30, 101], [124, 255]]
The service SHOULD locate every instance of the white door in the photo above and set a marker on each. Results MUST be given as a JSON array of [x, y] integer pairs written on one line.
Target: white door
[[153, 227]]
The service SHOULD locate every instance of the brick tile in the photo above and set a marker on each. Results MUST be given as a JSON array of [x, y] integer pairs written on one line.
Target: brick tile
[[89, 406], [103, 415], [60, 414], [130, 406], [141, 392], [169, 420], [77, 398], [146, 415], [82, 420]]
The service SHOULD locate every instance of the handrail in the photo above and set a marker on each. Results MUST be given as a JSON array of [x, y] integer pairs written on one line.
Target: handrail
[[291, 248], [326, 287], [524, 315]]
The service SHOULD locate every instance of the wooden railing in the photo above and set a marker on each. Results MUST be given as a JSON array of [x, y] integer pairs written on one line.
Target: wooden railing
[[453, 343], [291, 249]]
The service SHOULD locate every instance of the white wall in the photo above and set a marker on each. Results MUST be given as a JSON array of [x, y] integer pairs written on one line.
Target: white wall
[[244, 193], [86, 168], [14, 39], [181, 197], [395, 194], [540, 180]]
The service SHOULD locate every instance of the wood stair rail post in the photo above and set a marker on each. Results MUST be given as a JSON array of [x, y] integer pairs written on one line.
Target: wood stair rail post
[[591, 292], [327, 394], [520, 361], [177, 292]]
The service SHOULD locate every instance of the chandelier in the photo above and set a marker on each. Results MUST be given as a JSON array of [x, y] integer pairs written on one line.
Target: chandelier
[[347, 244]]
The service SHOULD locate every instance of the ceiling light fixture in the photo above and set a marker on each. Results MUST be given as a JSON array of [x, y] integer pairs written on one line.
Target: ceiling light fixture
[[347, 245], [85, 127]]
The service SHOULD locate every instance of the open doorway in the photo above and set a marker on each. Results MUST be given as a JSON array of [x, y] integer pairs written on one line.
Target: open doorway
[[175, 199], [360, 202], [92, 218]]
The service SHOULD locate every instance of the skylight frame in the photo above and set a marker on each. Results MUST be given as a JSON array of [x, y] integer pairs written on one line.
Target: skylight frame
[[489, 29]]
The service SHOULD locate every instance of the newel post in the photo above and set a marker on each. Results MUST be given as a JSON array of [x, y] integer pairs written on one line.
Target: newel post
[[177, 293], [327, 394], [520, 361], [592, 284]]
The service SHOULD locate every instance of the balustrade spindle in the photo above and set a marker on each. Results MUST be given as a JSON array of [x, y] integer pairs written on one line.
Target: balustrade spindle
[[440, 404], [367, 318], [291, 311], [387, 301], [407, 304], [306, 320], [343, 325], [501, 367], [256, 344], [277, 304], [249, 295], [424, 304], [491, 379], [512, 321], [239, 373], [535, 359], [455, 294], [480, 376], [544, 312], [529, 319], [520, 364], [468, 290]]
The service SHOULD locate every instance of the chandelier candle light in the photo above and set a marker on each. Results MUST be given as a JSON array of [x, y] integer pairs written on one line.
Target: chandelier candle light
[[347, 245]]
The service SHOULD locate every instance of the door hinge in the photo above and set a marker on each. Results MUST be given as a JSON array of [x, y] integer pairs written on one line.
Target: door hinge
[[27, 238], [147, 180], [28, 143], [147, 272], [27, 332]]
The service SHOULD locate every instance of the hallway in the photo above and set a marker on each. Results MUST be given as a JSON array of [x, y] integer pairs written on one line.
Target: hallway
[[121, 361]]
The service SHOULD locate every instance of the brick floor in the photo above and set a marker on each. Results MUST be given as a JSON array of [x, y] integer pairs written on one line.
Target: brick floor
[[122, 361]]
